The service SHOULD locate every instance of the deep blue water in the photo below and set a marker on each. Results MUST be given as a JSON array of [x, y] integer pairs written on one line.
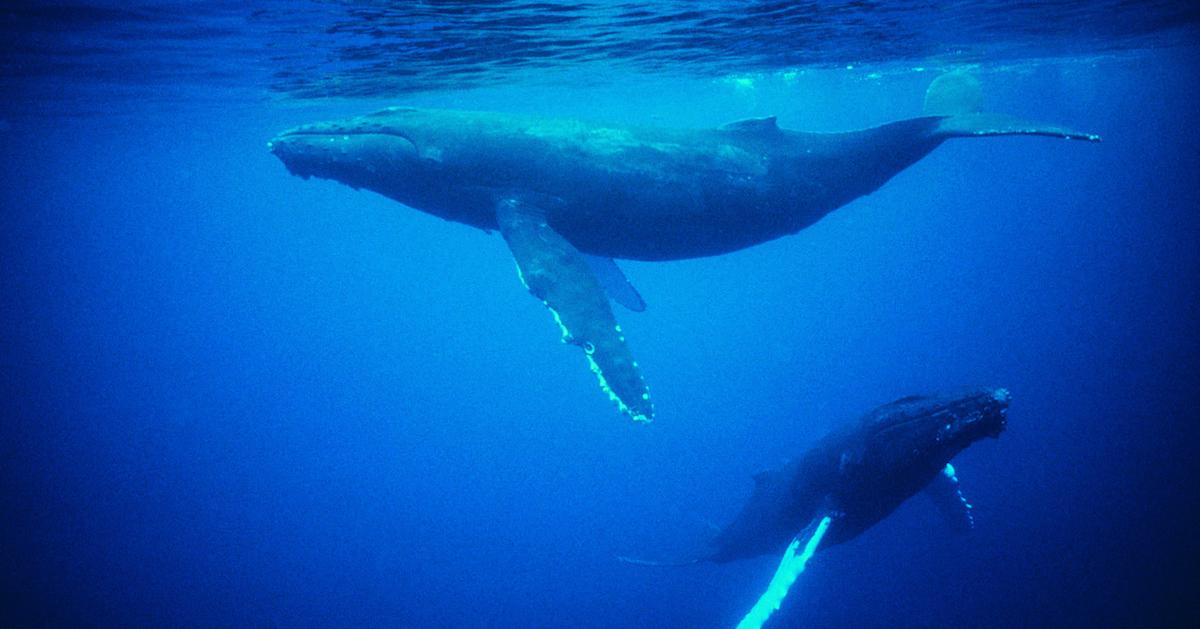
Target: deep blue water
[[236, 398]]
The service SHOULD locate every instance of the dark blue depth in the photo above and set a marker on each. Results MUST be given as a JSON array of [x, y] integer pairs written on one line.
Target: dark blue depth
[[236, 398]]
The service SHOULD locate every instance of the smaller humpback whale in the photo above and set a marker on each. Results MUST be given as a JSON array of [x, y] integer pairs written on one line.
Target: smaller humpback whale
[[568, 197], [854, 478]]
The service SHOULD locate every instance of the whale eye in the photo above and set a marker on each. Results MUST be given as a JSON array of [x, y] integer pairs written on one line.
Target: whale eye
[[588, 348]]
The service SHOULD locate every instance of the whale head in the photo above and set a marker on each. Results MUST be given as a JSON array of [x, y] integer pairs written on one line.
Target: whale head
[[431, 160], [925, 432], [360, 152]]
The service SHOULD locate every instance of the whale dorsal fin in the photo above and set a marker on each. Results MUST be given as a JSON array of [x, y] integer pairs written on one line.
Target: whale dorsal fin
[[753, 125]]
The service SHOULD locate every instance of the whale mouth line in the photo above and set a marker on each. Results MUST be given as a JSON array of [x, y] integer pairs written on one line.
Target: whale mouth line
[[347, 132], [306, 140]]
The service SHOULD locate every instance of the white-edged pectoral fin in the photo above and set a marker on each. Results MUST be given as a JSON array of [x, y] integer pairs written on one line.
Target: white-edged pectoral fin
[[950, 501], [556, 272], [794, 559]]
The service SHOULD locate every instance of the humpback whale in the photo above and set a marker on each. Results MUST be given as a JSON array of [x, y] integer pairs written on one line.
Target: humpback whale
[[852, 479], [569, 196]]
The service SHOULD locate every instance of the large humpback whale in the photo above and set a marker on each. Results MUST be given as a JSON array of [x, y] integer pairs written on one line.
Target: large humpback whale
[[569, 196], [854, 478]]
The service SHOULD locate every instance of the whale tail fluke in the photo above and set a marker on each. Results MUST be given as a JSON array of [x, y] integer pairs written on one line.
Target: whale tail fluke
[[957, 97], [979, 124], [659, 564]]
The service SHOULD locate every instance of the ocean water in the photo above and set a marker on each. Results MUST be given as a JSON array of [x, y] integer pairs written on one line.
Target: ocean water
[[233, 397]]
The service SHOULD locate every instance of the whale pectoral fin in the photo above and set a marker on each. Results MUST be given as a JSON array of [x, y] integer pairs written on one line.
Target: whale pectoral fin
[[949, 499], [616, 285], [980, 124], [796, 556], [555, 272]]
